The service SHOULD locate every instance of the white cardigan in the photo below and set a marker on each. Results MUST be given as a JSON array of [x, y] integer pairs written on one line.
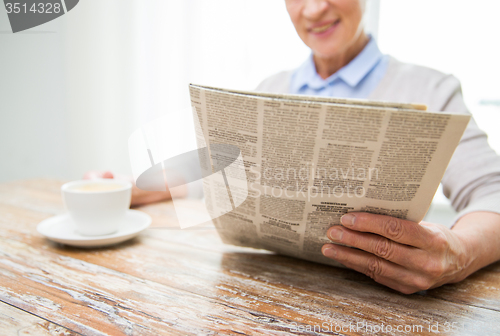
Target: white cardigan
[[472, 179]]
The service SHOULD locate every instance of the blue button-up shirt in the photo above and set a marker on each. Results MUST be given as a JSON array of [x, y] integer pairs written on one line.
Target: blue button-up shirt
[[355, 80]]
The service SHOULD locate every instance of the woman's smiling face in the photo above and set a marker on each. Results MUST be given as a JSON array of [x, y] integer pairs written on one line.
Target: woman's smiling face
[[328, 27]]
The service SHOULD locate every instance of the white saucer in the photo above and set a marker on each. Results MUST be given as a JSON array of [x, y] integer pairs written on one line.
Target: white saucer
[[62, 229]]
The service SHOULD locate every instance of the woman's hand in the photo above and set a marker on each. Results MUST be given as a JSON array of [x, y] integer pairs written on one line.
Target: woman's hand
[[139, 197], [403, 255], [95, 174]]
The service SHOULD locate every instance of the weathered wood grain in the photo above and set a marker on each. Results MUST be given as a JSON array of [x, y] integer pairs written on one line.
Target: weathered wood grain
[[91, 299], [171, 281], [14, 321]]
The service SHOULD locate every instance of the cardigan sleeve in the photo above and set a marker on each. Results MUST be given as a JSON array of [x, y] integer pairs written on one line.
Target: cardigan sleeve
[[472, 179]]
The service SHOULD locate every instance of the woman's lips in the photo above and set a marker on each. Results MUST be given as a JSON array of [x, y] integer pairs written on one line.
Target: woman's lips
[[324, 29]]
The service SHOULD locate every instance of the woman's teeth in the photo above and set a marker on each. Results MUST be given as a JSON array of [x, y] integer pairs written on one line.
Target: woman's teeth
[[323, 28]]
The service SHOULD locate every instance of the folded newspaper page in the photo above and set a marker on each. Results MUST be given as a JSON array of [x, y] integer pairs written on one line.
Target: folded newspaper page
[[306, 161]]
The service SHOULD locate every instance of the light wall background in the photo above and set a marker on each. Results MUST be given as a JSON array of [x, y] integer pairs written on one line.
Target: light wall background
[[74, 89]]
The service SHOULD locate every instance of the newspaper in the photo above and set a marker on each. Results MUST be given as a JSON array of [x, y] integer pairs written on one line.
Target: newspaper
[[309, 160]]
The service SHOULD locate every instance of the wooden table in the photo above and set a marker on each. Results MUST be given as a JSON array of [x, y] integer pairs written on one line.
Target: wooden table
[[169, 282]]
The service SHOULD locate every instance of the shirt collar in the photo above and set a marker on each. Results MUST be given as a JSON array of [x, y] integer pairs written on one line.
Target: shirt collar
[[351, 74]]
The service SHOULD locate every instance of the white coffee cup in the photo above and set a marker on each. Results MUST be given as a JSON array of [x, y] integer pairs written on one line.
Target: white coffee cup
[[97, 207]]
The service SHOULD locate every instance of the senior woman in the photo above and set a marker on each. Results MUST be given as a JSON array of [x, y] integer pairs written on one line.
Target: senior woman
[[400, 254]]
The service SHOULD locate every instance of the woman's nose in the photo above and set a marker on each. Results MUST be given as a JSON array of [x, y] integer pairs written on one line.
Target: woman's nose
[[314, 9]]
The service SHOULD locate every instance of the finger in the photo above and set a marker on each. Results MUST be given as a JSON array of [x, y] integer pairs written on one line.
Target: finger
[[395, 229], [404, 255], [107, 175], [380, 270], [96, 174]]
